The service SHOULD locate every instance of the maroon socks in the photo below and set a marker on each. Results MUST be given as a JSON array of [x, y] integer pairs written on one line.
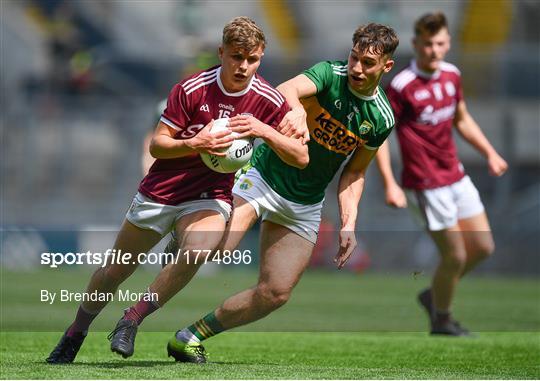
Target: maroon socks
[[141, 310], [81, 323]]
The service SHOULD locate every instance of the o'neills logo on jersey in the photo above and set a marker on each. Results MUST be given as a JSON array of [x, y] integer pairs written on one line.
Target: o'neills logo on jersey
[[333, 135]]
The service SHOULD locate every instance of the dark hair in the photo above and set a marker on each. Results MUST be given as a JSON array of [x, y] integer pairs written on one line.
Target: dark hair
[[430, 23], [243, 33], [381, 38]]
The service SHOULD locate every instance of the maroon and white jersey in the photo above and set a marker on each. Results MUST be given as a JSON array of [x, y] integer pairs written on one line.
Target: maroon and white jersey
[[424, 106], [191, 105]]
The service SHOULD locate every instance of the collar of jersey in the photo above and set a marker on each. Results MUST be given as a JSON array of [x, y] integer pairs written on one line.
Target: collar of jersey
[[237, 94], [424, 74], [363, 97]]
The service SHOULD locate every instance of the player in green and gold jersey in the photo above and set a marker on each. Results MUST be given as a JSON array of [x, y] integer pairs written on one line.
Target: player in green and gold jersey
[[340, 120], [347, 114]]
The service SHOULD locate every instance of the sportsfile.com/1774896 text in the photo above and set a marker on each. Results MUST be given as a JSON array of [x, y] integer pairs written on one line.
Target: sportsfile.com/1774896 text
[[113, 256]]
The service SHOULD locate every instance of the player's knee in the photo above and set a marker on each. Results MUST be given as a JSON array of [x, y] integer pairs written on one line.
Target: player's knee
[[454, 261], [198, 250], [196, 256], [486, 249], [272, 297]]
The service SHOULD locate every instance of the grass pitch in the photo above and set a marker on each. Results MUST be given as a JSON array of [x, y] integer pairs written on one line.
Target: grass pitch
[[366, 326], [287, 355]]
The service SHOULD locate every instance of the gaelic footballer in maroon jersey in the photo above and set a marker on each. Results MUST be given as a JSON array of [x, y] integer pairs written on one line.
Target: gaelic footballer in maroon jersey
[[180, 193], [191, 105], [427, 100], [424, 105]]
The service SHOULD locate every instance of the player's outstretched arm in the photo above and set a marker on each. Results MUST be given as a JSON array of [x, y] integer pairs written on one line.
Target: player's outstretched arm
[[294, 123], [351, 186], [165, 146], [393, 193], [289, 149], [471, 132]]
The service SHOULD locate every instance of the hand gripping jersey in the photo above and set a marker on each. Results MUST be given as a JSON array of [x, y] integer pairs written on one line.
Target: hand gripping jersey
[[339, 121], [191, 105], [425, 105]]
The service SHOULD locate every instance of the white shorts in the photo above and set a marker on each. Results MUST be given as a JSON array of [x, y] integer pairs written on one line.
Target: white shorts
[[148, 214], [441, 208], [302, 219]]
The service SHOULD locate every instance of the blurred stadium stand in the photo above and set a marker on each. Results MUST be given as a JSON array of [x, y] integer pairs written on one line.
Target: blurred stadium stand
[[81, 80]]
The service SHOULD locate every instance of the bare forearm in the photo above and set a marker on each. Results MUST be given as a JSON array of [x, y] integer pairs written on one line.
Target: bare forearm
[[165, 147], [349, 195], [291, 94], [384, 163], [472, 133], [290, 150]]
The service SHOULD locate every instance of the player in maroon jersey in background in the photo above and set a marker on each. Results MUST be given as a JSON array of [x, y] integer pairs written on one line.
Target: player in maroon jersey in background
[[427, 101], [180, 192]]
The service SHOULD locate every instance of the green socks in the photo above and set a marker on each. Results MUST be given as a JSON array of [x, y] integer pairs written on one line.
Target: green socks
[[206, 327]]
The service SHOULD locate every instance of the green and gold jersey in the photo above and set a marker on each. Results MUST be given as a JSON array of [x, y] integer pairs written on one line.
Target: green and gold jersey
[[339, 121]]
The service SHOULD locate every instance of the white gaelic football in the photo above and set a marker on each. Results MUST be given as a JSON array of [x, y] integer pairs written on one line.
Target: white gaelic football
[[237, 155]]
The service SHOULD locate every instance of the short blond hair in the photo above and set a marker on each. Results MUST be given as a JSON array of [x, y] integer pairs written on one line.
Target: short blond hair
[[242, 32]]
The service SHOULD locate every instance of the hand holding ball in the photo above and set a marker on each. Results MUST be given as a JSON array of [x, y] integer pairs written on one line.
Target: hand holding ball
[[237, 155]]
